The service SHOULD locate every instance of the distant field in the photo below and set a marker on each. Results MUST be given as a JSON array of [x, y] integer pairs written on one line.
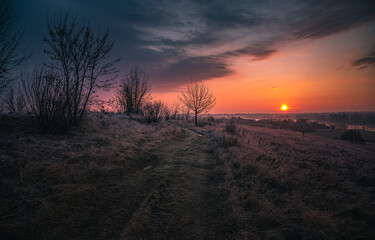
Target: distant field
[[118, 178], [344, 120]]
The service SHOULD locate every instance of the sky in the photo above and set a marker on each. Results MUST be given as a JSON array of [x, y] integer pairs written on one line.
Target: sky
[[313, 55]]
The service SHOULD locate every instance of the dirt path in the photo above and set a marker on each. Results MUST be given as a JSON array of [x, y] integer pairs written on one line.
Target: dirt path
[[184, 203], [89, 187]]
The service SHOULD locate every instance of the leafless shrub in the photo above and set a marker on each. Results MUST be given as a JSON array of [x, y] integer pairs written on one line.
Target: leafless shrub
[[231, 127], [47, 101], [154, 112], [197, 97], [134, 90], [11, 39]]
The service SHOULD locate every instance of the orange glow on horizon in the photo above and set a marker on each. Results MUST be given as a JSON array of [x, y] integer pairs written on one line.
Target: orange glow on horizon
[[306, 76]]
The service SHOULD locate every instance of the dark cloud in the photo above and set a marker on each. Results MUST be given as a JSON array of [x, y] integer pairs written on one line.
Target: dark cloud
[[364, 62], [363, 67], [177, 40], [199, 68], [322, 18], [224, 14], [256, 53]]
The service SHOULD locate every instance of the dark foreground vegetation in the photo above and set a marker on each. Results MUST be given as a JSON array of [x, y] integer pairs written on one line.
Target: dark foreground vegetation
[[116, 177]]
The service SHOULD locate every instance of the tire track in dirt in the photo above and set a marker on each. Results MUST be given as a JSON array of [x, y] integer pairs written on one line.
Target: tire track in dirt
[[184, 205]]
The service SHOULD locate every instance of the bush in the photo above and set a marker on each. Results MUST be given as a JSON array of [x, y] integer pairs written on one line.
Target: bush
[[353, 136], [154, 112], [47, 102], [231, 127]]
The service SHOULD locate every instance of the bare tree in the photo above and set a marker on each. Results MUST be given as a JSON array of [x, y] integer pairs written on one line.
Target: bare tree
[[59, 93], [81, 59], [11, 39], [134, 91], [197, 97]]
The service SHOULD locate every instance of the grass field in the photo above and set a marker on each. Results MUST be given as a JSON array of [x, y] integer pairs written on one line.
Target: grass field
[[115, 177]]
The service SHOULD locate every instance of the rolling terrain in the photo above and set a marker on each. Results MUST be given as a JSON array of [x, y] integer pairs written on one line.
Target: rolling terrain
[[118, 178]]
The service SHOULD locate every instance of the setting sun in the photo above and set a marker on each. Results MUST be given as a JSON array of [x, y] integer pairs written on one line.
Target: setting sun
[[284, 107]]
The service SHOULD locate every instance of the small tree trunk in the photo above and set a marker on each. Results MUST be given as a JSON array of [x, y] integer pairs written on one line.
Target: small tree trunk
[[196, 119]]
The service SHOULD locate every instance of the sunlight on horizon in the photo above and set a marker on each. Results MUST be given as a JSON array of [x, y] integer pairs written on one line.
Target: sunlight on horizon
[[284, 107]]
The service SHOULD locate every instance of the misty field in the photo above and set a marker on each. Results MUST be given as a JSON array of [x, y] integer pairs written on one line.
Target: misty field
[[115, 177]]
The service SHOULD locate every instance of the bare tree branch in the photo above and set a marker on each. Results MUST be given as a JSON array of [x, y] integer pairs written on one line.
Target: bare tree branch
[[80, 57], [11, 39], [198, 98], [59, 93], [134, 91]]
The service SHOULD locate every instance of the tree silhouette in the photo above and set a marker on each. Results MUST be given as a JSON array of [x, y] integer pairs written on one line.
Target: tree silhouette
[[134, 91], [197, 97], [11, 39], [81, 60], [59, 92]]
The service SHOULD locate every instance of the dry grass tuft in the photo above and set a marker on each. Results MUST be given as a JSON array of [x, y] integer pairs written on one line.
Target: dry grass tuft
[[231, 127], [230, 141]]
